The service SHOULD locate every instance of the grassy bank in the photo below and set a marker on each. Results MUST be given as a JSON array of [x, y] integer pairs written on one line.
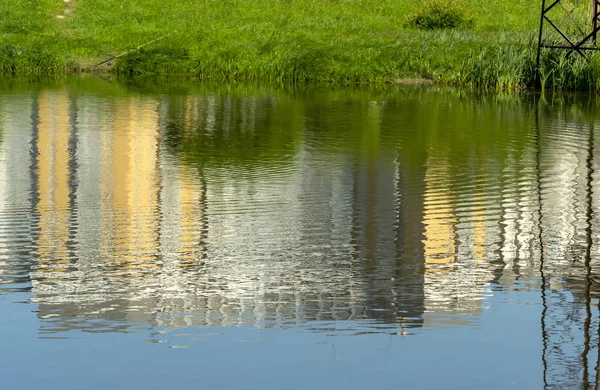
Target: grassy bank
[[328, 41]]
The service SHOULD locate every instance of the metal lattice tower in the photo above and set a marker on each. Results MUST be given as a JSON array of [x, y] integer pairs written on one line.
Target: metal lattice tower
[[570, 24]]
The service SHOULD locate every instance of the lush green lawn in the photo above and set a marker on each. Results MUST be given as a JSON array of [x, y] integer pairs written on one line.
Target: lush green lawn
[[333, 41]]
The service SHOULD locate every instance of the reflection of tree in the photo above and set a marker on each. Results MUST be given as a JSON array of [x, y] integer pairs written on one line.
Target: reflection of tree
[[233, 130]]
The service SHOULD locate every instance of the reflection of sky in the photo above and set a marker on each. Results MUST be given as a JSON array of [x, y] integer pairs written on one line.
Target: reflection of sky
[[502, 350]]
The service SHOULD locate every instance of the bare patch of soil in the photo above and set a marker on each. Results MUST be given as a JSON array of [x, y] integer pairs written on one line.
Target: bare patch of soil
[[415, 81]]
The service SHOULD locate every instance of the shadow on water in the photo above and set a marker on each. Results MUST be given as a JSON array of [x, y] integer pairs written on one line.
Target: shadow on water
[[391, 211]]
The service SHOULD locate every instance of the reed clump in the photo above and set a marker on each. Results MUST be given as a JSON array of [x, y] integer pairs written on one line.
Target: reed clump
[[28, 60], [441, 14]]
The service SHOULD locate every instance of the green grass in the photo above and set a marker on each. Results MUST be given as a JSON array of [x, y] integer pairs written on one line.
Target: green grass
[[319, 41]]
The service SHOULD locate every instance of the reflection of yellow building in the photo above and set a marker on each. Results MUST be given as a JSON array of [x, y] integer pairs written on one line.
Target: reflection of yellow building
[[53, 180], [129, 185], [439, 218], [454, 232]]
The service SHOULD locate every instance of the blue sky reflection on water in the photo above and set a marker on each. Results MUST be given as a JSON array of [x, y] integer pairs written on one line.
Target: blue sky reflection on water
[[502, 350]]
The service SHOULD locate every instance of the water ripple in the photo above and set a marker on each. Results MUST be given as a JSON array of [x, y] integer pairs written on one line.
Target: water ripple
[[390, 215]]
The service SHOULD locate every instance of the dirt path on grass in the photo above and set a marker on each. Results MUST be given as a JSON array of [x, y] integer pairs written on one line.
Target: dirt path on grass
[[69, 7]]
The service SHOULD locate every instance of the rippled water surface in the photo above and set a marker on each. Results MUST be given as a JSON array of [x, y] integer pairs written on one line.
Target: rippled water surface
[[242, 237]]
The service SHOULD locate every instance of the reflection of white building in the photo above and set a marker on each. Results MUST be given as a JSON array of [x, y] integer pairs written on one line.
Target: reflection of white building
[[52, 176], [149, 235], [15, 183], [94, 120], [563, 192], [568, 200], [516, 233], [552, 179]]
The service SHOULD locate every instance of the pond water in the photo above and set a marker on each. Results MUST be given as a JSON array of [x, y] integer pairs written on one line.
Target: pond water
[[251, 237]]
